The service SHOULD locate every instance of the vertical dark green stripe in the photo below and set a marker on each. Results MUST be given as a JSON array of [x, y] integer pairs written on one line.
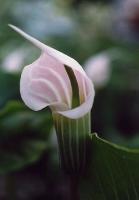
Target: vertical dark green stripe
[[75, 88], [77, 143], [73, 135]]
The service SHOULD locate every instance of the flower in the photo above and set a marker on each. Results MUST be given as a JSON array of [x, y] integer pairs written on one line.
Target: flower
[[98, 69], [13, 62], [58, 81]]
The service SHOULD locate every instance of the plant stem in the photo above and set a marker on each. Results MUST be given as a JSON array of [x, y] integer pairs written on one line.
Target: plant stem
[[74, 188]]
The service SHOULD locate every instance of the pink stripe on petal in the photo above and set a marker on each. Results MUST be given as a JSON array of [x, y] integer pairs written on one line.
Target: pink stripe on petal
[[49, 82], [29, 99], [37, 81], [48, 68], [46, 90], [33, 94]]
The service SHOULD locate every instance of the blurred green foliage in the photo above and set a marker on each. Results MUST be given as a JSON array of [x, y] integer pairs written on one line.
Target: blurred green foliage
[[9, 87], [23, 136]]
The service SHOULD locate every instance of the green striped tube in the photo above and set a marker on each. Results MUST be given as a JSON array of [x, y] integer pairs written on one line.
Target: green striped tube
[[73, 139]]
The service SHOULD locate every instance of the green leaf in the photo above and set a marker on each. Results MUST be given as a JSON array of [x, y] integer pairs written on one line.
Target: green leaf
[[113, 173], [24, 136]]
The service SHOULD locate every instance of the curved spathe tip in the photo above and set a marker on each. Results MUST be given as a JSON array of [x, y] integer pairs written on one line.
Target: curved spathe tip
[[63, 58], [34, 41]]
